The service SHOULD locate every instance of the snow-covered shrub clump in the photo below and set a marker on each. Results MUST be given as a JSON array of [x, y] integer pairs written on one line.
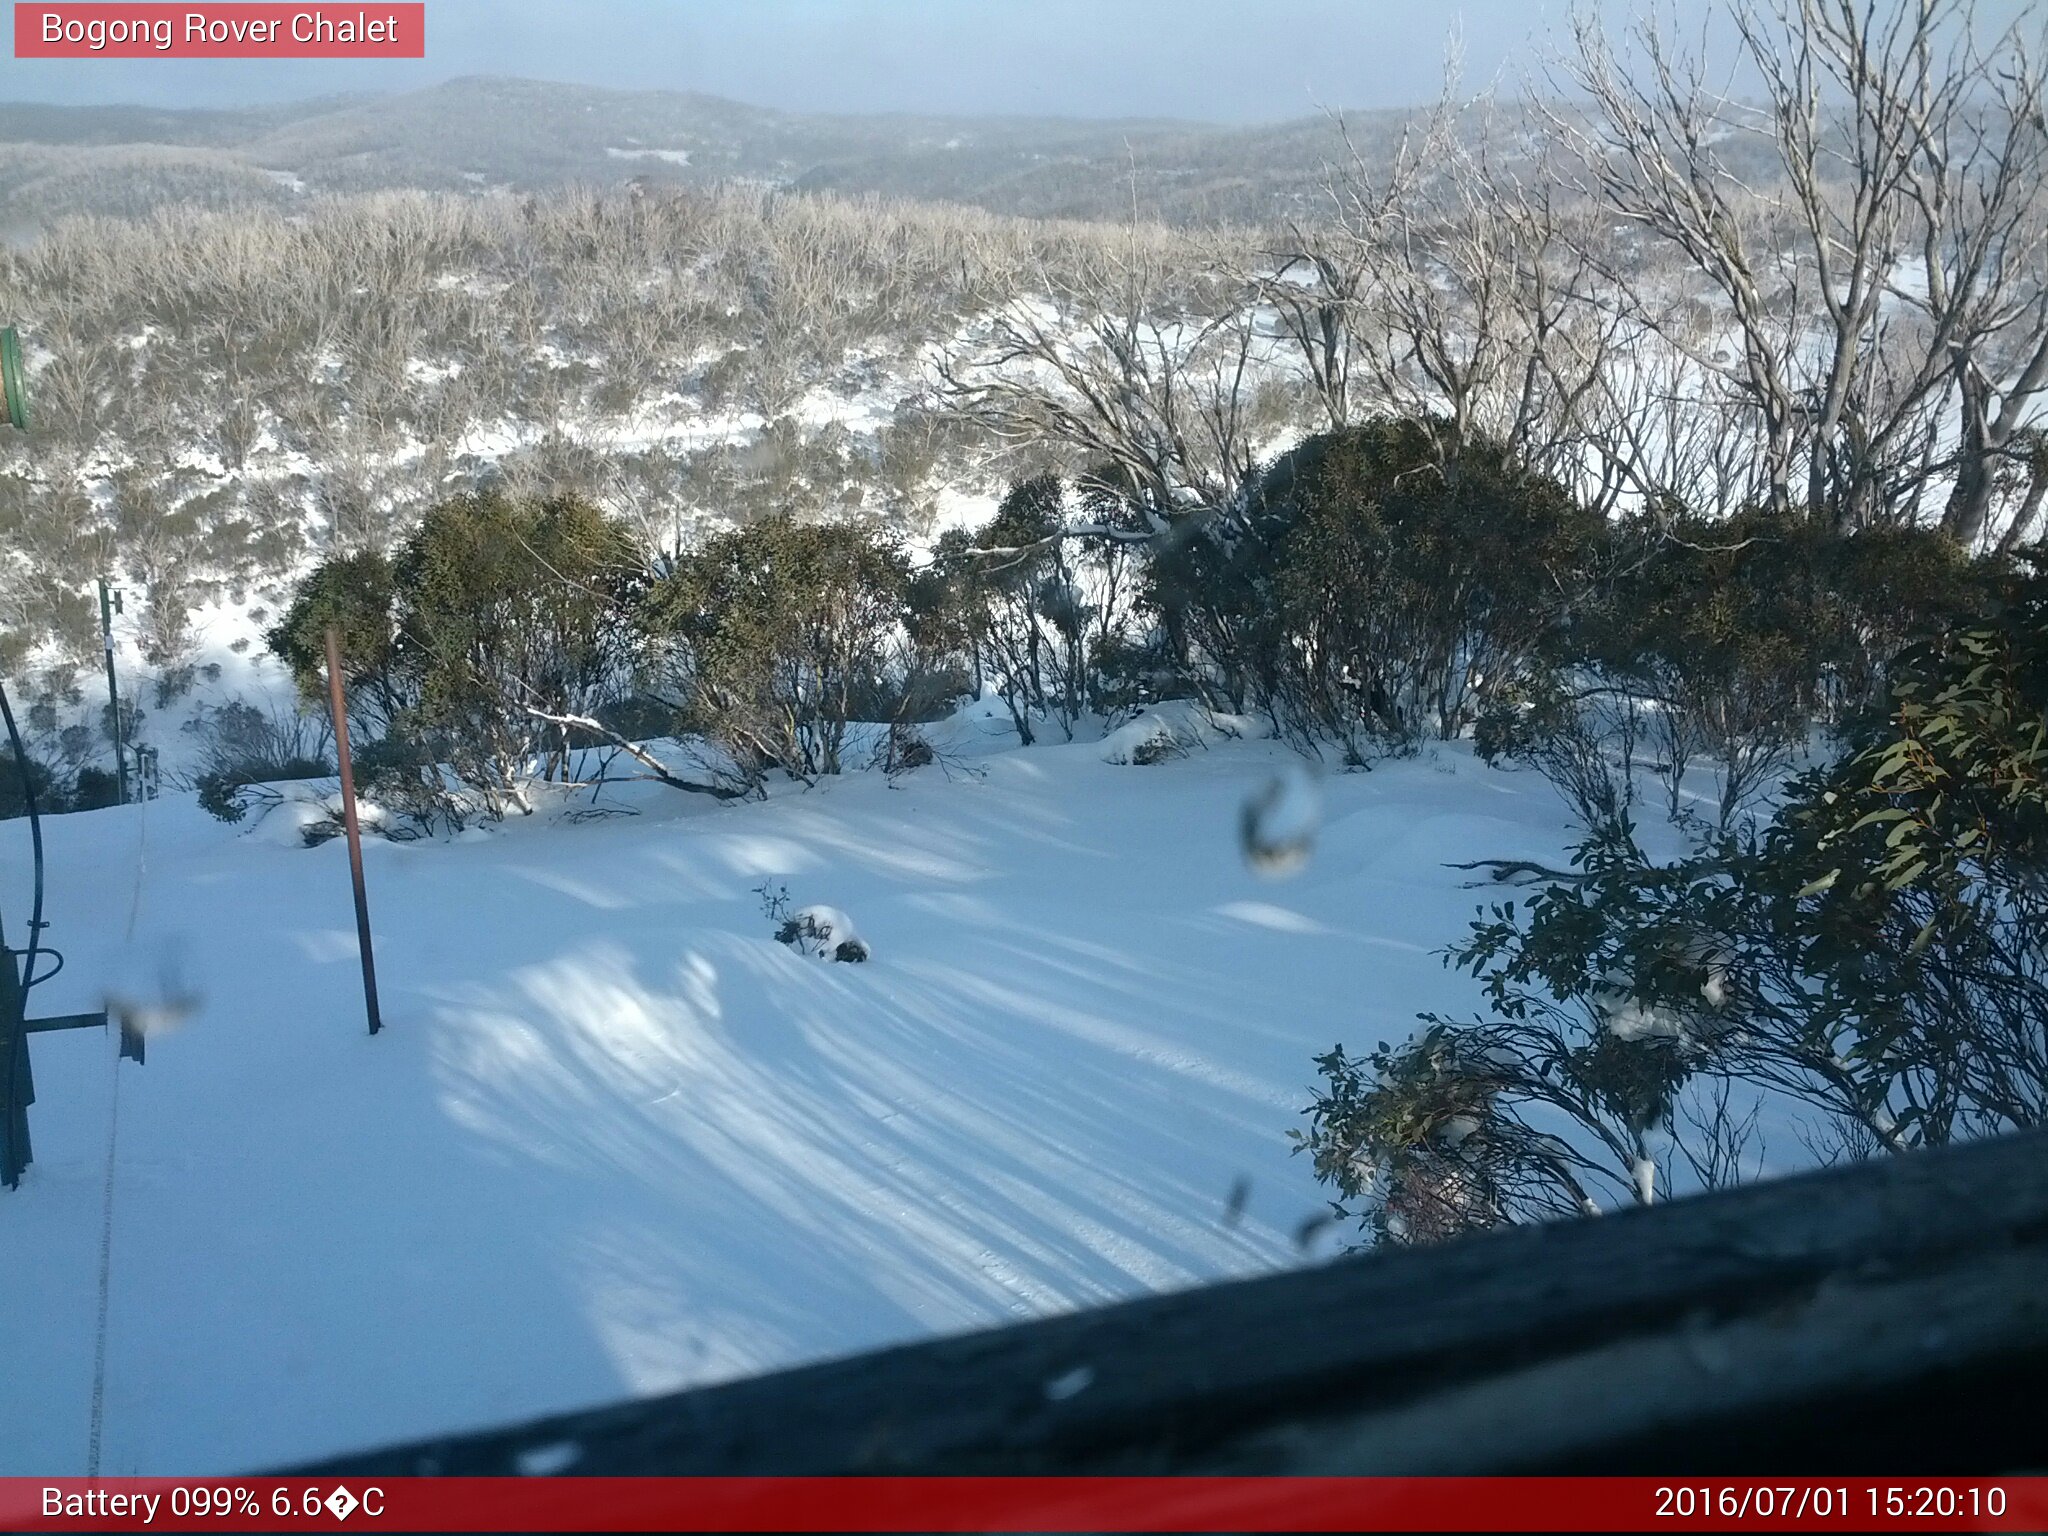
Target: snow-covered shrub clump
[[1141, 742], [824, 932], [305, 815], [291, 815], [1173, 729]]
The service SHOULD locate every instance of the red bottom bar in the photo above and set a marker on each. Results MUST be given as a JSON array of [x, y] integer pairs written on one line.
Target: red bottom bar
[[1025, 1504]]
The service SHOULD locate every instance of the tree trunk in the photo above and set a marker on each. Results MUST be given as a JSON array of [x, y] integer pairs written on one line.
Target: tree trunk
[[1969, 504]]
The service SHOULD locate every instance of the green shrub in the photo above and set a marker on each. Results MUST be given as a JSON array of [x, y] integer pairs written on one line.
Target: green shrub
[[358, 595], [40, 782], [1374, 590], [776, 630], [94, 789], [500, 626], [1879, 950]]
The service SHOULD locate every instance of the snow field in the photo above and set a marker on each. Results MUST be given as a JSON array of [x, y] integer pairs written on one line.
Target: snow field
[[617, 1140]]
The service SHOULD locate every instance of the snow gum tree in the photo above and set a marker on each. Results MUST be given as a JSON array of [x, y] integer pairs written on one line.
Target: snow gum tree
[[500, 623], [357, 595], [1020, 605], [778, 631], [1372, 589]]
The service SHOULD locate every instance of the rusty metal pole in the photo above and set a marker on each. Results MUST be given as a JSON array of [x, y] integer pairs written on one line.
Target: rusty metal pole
[[348, 821]]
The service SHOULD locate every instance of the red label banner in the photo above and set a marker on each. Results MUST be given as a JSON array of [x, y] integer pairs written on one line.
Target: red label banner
[[1024, 1504], [220, 31]]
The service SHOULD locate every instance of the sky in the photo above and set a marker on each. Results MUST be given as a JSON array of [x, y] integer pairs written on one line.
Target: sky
[[1215, 60], [1208, 60]]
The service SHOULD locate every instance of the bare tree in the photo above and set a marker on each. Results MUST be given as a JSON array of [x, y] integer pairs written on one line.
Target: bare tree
[[1127, 363], [1884, 324], [1471, 278]]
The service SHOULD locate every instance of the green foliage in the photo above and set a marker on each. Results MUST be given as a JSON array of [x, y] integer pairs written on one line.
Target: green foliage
[[1775, 619], [778, 630], [1731, 642], [1878, 951], [225, 793], [1892, 585], [357, 595], [221, 796], [502, 619], [243, 748], [94, 789], [401, 775], [1912, 878], [1607, 1011], [1957, 787], [1376, 588], [1427, 1140], [39, 782], [88, 788], [511, 610]]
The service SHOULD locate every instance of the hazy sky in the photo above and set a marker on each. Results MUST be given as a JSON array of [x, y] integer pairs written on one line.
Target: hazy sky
[[1214, 59], [1227, 60]]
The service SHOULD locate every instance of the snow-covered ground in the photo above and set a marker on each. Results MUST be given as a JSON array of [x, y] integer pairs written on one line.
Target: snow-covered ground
[[616, 1140]]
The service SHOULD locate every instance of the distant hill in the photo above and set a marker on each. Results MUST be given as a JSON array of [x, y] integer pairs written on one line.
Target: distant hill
[[28, 122], [527, 134]]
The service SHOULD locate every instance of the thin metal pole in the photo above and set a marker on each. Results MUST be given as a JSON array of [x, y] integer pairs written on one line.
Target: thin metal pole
[[348, 821], [17, 1088], [113, 688]]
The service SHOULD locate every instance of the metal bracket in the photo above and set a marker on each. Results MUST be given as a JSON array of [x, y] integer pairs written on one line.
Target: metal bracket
[[17, 1081]]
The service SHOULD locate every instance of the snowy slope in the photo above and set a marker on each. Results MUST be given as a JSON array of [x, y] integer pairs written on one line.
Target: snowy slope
[[616, 1140]]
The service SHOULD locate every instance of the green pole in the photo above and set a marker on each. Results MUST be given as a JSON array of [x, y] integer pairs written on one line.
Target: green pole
[[13, 391], [108, 601]]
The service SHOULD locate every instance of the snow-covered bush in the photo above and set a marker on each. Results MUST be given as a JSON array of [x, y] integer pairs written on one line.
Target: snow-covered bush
[[243, 748], [823, 932], [1148, 739], [826, 933], [1173, 729]]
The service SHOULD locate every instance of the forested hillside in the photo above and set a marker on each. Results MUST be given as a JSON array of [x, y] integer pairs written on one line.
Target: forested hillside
[[532, 135], [924, 691]]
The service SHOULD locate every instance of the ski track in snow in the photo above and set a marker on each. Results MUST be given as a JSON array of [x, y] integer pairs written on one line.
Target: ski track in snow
[[615, 1140]]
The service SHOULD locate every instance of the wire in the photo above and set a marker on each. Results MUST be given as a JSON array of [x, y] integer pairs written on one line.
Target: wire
[[99, 1350]]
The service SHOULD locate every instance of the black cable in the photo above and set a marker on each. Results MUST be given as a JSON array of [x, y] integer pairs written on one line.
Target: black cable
[[35, 835]]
